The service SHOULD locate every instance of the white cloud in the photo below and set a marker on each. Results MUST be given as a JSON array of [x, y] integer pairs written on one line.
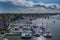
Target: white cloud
[[49, 6], [57, 5], [43, 9], [20, 2], [30, 3]]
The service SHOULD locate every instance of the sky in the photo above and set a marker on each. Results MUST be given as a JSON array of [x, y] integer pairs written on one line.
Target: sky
[[29, 6]]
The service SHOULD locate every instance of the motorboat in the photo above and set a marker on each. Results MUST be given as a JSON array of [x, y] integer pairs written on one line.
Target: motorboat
[[26, 35], [33, 31], [35, 26], [42, 29], [47, 34], [37, 35], [16, 30], [21, 27], [2, 32], [53, 21]]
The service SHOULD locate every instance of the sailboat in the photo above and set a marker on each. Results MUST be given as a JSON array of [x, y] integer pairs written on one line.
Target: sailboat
[[45, 33]]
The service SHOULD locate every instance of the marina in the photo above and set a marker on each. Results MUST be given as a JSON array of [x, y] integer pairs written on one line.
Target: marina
[[29, 19], [33, 28]]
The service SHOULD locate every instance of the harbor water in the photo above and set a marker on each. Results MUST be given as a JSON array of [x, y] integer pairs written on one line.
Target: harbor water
[[53, 27]]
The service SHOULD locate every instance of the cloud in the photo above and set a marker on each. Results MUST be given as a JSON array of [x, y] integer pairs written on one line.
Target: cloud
[[32, 7], [51, 6], [31, 4], [20, 2]]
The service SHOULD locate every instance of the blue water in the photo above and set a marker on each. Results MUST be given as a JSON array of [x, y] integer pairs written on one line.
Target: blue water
[[54, 28]]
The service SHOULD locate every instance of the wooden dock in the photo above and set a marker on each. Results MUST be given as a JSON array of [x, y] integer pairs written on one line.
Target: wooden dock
[[12, 34], [8, 34]]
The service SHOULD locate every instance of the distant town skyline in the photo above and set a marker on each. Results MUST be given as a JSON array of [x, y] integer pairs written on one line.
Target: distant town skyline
[[29, 6]]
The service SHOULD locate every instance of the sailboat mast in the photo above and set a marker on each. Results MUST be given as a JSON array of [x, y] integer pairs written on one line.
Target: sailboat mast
[[42, 21]]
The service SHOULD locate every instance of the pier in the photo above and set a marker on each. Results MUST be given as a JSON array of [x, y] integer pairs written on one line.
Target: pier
[[12, 34]]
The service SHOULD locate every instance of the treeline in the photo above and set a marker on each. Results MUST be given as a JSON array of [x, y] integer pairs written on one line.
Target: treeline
[[26, 14]]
